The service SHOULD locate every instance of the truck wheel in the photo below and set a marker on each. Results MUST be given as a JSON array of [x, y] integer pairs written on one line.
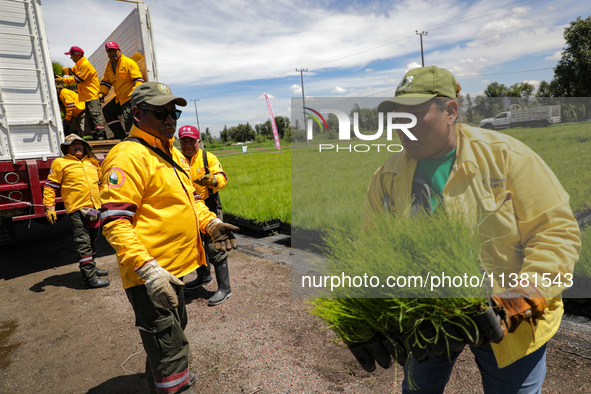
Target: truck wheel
[[488, 126], [544, 123]]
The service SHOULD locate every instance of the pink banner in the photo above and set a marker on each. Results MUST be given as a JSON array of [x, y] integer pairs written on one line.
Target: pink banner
[[273, 125]]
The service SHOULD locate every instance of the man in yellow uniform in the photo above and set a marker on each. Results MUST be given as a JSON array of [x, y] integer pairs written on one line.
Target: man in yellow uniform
[[152, 218], [208, 178], [523, 208], [74, 120], [77, 175], [85, 76], [122, 74]]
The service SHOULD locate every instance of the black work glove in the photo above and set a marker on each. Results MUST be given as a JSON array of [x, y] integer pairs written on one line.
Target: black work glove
[[378, 349]]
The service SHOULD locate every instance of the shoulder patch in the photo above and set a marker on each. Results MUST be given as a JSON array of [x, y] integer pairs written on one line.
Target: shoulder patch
[[116, 177]]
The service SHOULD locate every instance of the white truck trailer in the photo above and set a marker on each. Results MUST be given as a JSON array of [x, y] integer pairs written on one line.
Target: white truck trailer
[[30, 121], [527, 117]]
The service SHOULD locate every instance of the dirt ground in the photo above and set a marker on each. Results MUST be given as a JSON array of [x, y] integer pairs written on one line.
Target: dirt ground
[[57, 337]]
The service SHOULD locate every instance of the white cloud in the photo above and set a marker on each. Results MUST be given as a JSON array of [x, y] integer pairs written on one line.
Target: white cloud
[[534, 83], [555, 57], [411, 66], [296, 89], [339, 90]]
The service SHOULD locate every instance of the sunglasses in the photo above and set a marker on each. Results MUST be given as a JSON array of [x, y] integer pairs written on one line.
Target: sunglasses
[[161, 114]]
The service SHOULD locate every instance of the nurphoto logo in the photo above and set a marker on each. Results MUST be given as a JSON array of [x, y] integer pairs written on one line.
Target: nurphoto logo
[[394, 121]]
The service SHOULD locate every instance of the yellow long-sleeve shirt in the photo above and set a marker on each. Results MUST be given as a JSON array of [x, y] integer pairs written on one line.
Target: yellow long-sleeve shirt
[[77, 179], [150, 210], [85, 76], [215, 168], [126, 77], [524, 211]]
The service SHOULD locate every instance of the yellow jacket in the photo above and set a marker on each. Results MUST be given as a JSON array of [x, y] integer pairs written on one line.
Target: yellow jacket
[[524, 209], [85, 76], [70, 100], [198, 170], [78, 180], [127, 77], [150, 210]]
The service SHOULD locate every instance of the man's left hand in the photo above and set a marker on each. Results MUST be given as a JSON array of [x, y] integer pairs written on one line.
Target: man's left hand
[[222, 235], [207, 180], [519, 304]]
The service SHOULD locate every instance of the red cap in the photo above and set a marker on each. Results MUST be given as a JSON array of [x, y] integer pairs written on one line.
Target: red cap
[[189, 131], [111, 45], [75, 50]]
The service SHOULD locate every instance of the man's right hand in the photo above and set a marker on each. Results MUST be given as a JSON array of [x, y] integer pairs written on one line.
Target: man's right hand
[[158, 284], [221, 234], [101, 97], [59, 80], [51, 215]]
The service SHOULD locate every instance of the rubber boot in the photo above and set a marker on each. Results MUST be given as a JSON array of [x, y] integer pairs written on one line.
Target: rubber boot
[[223, 278], [203, 278]]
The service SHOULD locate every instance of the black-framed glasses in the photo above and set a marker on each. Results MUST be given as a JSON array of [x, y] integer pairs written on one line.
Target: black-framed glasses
[[162, 114]]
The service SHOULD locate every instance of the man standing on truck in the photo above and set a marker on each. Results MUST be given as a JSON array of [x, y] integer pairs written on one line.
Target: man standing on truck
[[152, 219], [84, 75], [77, 175], [123, 74], [208, 178], [74, 109]]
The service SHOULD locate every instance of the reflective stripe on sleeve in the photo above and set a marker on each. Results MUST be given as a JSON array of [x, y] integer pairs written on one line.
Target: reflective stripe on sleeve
[[117, 210]]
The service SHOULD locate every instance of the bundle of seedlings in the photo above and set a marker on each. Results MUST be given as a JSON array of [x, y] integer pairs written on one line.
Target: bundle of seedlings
[[411, 281]]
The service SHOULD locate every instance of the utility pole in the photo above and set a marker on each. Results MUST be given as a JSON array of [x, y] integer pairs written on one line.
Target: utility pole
[[302, 71], [422, 33], [196, 114]]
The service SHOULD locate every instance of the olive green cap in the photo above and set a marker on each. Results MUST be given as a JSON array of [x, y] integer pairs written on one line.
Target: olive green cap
[[420, 85], [155, 93]]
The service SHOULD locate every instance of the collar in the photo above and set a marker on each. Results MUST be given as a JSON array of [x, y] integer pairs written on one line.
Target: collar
[[465, 157], [118, 61], [70, 156], [150, 139]]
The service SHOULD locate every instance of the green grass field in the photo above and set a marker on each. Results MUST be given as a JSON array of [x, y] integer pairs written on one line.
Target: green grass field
[[259, 185]]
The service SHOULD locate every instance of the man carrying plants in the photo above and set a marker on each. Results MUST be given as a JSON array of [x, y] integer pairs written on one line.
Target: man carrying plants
[[208, 178], [521, 210]]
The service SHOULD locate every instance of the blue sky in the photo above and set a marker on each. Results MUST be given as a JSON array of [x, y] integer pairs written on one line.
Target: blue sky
[[228, 53]]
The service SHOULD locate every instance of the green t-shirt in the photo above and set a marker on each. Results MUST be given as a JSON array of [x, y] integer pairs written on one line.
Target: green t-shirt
[[436, 171]]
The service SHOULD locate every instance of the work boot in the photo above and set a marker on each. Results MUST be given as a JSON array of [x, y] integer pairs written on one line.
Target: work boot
[[118, 132], [99, 135], [100, 272], [203, 278], [186, 389], [97, 283], [223, 278]]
